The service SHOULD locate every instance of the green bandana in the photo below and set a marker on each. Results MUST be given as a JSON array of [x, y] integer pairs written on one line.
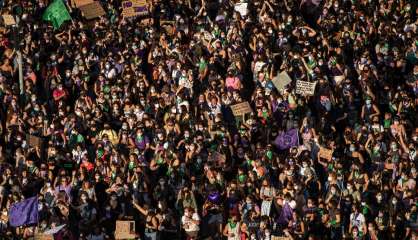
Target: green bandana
[[242, 178], [365, 210], [386, 123], [269, 154], [160, 161], [131, 165], [100, 153]]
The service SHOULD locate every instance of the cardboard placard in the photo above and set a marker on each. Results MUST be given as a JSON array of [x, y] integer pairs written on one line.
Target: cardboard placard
[[305, 88], [133, 8], [8, 20], [33, 141], [92, 10], [325, 153], [280, 238], [281, 80], [42, 236], [241, 109], [79, 3], [125, 230], [49, 234], [242, 8]]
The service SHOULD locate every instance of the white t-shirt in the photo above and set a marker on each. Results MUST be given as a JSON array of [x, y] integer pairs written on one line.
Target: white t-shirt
[[189, 226], [357, 220]]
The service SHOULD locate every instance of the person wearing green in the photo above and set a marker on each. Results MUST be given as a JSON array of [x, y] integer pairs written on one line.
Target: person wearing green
[[56, 13]]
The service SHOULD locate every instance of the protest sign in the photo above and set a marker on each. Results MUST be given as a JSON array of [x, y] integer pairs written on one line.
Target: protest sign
[[279, 238], [305, 88], [241, 109], [92, 10], [281, 80], [338, 79], [8, 20], [33, 141], [49, 234], [325, 153], [133, 8], [242, 8], [79, 3], [43, 236], [125, 230]]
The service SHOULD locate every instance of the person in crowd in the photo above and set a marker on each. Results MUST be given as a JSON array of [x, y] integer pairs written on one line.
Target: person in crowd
[[135, 118]]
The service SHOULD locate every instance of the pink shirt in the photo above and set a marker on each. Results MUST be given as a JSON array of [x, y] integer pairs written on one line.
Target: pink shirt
[[233, 82]]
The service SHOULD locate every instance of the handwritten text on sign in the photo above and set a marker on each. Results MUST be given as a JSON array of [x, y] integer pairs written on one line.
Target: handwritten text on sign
[[92, 10], [125, 230], [241, 109], [325, 153], [305, 88], [134, 8], [281, 80]]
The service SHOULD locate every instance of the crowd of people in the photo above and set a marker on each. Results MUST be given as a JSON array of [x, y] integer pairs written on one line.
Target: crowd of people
[[130, 119]]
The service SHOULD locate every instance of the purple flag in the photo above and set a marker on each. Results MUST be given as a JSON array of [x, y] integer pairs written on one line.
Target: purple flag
[[287, 139], [285, 215], [24, 212]]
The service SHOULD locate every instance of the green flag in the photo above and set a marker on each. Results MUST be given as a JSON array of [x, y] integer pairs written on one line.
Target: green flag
[[56, 13]]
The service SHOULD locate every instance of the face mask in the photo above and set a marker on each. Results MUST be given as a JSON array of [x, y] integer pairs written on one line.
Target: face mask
[[394, 201], [379, 198], [352, 149], [368, 102], [412, 153], [269, 154]]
